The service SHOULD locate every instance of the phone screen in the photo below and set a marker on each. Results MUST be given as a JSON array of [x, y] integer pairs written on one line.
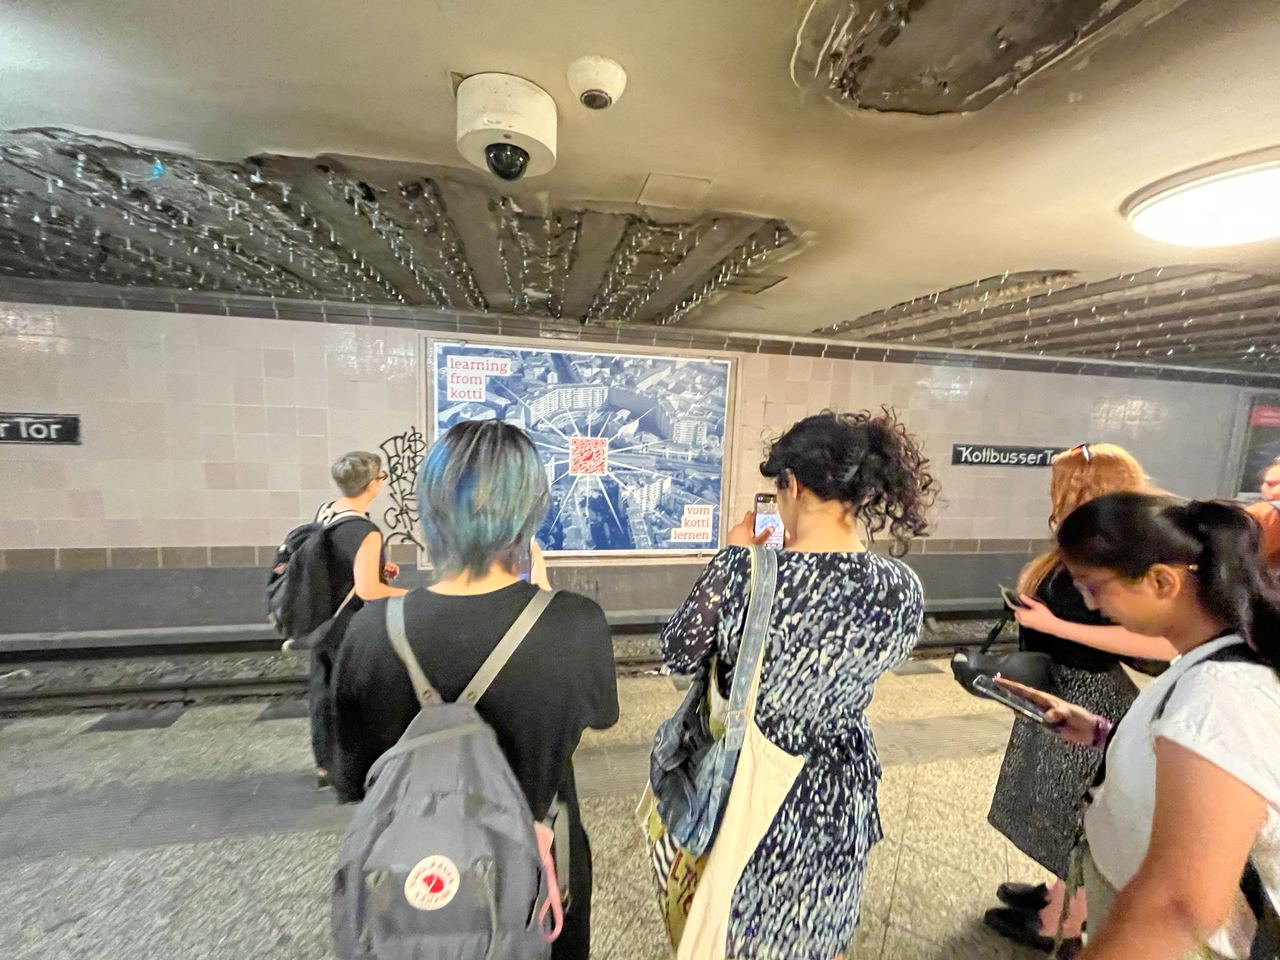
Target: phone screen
[[525, 568], [768, 518], [1018, 704]]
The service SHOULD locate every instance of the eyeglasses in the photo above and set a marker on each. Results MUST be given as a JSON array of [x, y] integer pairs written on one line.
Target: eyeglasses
[[381, 476], [1093, 591]]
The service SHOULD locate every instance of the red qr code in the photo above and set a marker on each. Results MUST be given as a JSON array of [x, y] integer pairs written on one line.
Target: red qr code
[[588, 456]]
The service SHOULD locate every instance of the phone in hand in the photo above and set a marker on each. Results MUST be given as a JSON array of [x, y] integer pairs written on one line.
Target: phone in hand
[[524, 568], [1011, 599], [768, 518], [1019, 704]]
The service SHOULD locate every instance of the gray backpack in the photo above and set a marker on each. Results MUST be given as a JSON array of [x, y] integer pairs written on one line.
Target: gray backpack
[[442, 860]]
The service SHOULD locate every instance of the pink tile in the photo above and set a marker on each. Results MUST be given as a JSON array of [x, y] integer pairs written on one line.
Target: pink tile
[[314, 450], [48, 474], [250, 419], [251, 476], [277, 363], [313, 422], [254, 448], [19, 534], [219, 446], [282, 476], [279, 393], [216, 418], [220, 476], [85, 504], [284, 505], [247, 390], [282, 420]]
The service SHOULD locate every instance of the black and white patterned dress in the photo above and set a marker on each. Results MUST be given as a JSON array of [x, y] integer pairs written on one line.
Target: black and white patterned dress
[[840, 621], [1043, 779]]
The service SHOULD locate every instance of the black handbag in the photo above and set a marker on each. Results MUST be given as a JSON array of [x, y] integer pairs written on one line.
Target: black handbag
[[1022, 666]]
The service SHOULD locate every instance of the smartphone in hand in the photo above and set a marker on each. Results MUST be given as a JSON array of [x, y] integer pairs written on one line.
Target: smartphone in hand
[[1011, 599], [1020, 705], [768, 518]]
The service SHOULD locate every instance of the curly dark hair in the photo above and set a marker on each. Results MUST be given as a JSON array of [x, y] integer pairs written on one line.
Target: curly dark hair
[[867, 460]]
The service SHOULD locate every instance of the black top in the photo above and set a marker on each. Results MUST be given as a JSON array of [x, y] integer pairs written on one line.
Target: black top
[[344, 539], [559, 682], [1060, 595]]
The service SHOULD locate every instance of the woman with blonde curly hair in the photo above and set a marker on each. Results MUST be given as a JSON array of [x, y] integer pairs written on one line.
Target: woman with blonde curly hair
[[1043, 779]]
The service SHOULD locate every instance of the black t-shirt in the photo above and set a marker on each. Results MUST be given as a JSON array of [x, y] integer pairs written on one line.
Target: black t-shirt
[[1060, 595], [344, 540], [560, 681]]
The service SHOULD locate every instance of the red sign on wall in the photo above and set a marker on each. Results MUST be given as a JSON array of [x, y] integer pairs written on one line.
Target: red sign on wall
[[1264, 416]]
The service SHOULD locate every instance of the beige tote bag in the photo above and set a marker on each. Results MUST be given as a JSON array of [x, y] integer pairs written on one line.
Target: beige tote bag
[[761, 783]]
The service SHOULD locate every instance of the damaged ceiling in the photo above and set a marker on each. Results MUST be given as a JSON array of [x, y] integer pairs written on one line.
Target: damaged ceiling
[[1182, 315], [88, 209], [885, 150], [939, 56]]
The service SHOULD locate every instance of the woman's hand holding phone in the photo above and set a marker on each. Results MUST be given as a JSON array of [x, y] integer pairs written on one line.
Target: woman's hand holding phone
[[1070, 722], [743, 533]]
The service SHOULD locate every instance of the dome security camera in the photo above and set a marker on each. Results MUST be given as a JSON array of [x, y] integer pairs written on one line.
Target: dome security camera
[[506, 125], [597, 82]]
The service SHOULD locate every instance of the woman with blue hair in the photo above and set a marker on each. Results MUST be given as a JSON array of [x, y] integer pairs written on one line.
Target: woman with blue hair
[[482, 493]]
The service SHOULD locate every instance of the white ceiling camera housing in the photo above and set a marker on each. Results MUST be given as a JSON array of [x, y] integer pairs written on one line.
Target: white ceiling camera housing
[[506, 125], [597, 82]]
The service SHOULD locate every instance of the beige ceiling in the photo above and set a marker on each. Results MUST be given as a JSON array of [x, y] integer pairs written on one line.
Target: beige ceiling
[[892, 207]]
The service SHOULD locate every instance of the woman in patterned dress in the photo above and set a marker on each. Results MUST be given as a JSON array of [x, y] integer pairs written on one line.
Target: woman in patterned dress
[[1043, 778], [841, 618]]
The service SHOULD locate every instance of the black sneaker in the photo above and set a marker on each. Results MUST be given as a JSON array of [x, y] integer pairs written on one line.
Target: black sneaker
[[1024, 896], [1024, 929]]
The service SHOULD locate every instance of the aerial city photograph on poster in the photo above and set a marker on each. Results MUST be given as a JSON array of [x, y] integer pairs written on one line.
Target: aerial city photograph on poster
[[633, 444]]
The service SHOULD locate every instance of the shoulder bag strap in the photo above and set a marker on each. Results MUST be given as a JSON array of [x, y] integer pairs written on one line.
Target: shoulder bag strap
[[750, 663], [994, 635], [427, 694], [507, 646]]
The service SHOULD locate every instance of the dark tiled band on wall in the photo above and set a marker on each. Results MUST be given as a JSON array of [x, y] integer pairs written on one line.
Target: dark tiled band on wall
[[186, 558], [19, 290]]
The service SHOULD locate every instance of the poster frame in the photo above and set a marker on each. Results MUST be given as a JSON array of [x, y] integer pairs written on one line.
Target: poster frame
[[426, 403]]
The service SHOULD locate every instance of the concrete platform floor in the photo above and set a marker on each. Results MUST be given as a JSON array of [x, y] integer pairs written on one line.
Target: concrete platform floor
[[198, 833]]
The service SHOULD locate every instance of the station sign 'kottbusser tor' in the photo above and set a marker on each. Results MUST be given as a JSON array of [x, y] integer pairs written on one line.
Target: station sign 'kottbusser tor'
[[39, 428], [994, 455]]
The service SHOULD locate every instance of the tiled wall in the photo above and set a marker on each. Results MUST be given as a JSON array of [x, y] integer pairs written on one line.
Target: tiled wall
[[215, 431], [1181, 432]]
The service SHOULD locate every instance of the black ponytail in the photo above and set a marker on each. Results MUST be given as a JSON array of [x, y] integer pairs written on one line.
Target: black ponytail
[[866, 460], [1132, 532]]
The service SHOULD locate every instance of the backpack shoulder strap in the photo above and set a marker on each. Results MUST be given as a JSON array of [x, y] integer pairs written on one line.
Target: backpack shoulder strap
[[507, 646], [427, 694]]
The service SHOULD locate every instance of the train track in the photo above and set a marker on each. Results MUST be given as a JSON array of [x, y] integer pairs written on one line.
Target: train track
[[191, 691]]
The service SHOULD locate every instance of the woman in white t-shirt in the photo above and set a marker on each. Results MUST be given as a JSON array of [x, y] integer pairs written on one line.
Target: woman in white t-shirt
[[1192, 787]]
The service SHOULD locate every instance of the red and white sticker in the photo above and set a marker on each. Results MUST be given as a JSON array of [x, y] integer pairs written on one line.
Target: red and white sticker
[[432, 884]]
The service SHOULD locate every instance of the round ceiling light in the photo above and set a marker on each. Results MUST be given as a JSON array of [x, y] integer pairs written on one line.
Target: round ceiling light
[[1227, 204]]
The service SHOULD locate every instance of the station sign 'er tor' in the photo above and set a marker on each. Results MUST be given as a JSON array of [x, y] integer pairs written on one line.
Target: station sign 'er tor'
[[39, 428]]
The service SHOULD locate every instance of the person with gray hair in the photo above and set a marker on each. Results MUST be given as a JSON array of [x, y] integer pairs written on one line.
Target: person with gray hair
[[358, 572], [482, 494]]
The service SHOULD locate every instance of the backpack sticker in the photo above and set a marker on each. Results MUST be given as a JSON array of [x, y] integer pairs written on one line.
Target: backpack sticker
[[432, 884]]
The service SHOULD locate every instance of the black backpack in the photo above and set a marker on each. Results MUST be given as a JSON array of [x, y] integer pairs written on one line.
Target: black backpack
[[299, 589]]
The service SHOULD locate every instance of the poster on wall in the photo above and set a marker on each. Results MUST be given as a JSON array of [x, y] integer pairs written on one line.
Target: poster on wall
[[1261, 445], [633, 444]]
